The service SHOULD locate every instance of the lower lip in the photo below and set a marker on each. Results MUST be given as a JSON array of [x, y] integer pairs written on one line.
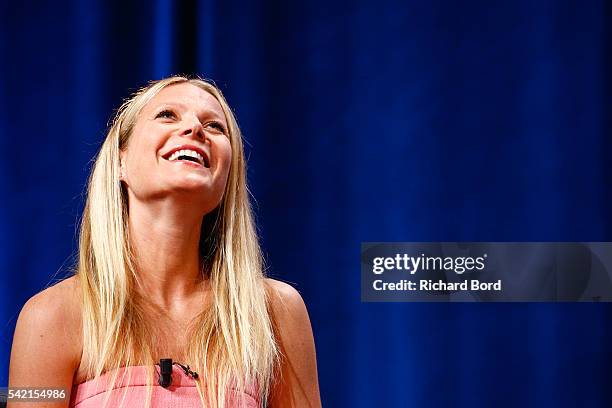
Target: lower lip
[[188, 163]]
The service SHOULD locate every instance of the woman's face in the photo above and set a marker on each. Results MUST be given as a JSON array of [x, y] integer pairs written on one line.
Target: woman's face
[[179, 147]]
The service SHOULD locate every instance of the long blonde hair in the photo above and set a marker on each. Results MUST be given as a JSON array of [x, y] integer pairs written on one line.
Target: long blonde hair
[[233, 344]]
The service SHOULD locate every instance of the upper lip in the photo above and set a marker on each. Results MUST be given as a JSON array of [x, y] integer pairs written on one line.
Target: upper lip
[[189, 147]]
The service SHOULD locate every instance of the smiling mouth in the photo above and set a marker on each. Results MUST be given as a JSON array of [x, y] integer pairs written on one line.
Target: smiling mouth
[[189, 156]]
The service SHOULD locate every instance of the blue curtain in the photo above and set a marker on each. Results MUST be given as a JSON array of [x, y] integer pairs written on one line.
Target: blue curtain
[[366, 121]]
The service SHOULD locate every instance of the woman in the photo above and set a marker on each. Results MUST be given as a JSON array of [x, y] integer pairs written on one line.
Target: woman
[[169, 267]]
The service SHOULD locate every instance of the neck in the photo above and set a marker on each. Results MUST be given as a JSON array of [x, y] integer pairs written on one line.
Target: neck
[[165, 240]]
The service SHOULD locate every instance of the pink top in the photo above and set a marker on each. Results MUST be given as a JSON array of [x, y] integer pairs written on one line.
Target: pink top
[[182, 393]]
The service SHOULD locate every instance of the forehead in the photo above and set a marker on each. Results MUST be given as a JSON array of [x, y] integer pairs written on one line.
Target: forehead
[[187, 96]]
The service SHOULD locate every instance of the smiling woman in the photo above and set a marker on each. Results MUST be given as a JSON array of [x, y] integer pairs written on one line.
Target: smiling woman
[[169, 267]]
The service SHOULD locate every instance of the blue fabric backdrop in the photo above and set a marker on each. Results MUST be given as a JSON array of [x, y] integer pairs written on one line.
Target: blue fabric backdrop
[[366, 121]]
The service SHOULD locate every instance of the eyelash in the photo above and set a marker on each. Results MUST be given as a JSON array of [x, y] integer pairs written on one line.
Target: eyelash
[[217, 126], [166, 113]]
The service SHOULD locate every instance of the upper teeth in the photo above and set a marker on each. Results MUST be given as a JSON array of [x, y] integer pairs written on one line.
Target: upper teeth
[[190, 153]]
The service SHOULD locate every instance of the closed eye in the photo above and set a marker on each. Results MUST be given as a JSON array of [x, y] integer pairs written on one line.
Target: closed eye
[[166, 113], [216, 125]]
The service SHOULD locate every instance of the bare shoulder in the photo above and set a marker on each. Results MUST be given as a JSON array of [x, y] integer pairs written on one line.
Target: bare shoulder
[[47, 343], [283, 295], [297, 384], [56, 307], [288, 308]]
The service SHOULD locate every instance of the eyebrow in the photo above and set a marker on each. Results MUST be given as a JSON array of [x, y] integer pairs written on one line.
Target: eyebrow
[[184, 107], [174, 104]]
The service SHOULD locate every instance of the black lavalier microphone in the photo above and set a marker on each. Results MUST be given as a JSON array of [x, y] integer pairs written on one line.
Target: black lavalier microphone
[[165, 378]]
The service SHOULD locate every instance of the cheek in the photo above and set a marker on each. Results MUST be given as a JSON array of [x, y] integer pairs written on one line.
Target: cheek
[[224, 153], [147, 139], [141, 158]]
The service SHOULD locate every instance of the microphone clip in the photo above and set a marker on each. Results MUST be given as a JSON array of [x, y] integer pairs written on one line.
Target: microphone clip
[[165, 378], [188, 371]]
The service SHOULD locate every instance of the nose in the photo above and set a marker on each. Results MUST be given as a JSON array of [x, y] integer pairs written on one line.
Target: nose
[[195, 129]]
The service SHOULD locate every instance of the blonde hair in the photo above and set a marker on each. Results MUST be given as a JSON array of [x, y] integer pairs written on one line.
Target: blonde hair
[[233, 343]]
